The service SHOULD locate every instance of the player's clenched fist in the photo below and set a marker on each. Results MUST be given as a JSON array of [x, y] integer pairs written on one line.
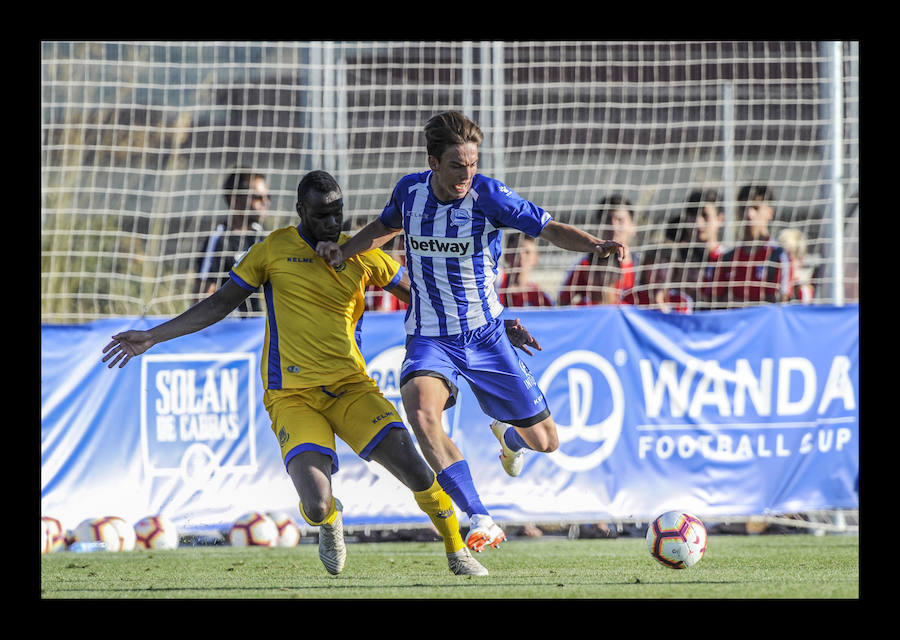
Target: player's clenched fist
[[330, 252], [606, 248]]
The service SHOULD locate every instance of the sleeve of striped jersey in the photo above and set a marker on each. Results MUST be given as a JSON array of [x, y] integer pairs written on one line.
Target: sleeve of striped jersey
[[392, 214], [385, 271], [506, 208], [249, 272]]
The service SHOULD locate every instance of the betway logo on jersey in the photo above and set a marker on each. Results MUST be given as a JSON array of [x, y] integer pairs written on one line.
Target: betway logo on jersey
[[440, 247]]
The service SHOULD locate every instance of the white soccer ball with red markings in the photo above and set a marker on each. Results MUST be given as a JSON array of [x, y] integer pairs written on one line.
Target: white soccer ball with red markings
[[677, 540], [156, 532], [288, 531], [254, 529], [53, 536], [127, 535], [113, 531]]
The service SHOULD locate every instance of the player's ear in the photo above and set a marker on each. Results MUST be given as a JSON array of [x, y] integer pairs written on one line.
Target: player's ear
[[433, 162]]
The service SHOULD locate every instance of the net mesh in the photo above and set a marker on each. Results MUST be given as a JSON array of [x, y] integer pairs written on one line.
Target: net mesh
[[137, 139]]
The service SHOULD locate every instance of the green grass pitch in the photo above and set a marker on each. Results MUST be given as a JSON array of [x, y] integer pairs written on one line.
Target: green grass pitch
[[735, 567]]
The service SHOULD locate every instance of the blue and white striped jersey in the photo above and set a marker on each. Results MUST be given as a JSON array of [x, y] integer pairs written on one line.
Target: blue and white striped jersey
[[453, 250]]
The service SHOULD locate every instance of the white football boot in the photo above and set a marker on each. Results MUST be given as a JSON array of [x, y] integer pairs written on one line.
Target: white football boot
[[332, 550], [512, 461], [483, 531], [462, 563]]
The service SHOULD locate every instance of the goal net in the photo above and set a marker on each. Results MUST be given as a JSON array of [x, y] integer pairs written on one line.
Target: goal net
[[137, 139]]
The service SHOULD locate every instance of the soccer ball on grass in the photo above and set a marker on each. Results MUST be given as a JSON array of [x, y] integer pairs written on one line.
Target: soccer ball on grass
[[112, 531], [677, 540], [288, 531], [53, 536], [254, 529], [156, 532]]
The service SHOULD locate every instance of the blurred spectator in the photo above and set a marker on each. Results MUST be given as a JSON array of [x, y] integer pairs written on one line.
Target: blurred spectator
[[655, 279], [678, 276], [604, 280], [793, 241], [247, 197], [377, 299], [757, 270], [705, 216], [516, 288]]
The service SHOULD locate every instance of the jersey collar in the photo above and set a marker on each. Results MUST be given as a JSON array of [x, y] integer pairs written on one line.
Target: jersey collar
[[446, 202], [307, 240]]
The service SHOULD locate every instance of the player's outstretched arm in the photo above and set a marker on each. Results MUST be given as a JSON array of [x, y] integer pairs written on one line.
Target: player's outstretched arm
[[372, 236], [128, 344], [565, 236]]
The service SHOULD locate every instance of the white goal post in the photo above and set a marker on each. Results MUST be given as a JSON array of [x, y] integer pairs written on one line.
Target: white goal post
[[138, 137]]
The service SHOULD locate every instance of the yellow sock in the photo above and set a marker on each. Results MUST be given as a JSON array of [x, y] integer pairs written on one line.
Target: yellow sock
[[435, 502], [328, 519]]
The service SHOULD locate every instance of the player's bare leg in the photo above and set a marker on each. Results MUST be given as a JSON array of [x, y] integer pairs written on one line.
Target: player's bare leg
[[397, 453], [541, 437], [311, 473], [424, 398]]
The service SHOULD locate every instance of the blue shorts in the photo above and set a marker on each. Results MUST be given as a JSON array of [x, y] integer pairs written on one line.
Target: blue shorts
[[502, 383]]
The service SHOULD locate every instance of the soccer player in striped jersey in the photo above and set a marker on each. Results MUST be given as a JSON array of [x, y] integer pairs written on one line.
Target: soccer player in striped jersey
[[314, 376], [453, 218]]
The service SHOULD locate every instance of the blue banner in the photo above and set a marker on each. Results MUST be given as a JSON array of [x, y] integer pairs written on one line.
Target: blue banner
[[719, 413]]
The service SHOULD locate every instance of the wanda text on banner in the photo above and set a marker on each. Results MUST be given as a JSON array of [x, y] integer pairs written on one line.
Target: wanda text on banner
[[727, 413]]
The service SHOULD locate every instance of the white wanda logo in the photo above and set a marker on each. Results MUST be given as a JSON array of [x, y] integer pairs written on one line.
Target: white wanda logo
[[605, 433]]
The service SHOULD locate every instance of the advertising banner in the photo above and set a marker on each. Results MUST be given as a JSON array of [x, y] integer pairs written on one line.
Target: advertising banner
[[719, 413]]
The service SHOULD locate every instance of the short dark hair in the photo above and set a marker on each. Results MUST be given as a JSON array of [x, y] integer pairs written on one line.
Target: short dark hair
[[238, 181], [679, 225], [611, 203], [318, 180], [448, 129], [605, 209], [513, 240], [698, 200], [753, 193]]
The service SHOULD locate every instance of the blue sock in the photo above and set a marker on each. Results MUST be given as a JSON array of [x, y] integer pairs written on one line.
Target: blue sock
[[457, 481], [514, 441]]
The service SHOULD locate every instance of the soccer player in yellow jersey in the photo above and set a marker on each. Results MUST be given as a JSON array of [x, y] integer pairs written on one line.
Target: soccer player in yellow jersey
[[314, 375]]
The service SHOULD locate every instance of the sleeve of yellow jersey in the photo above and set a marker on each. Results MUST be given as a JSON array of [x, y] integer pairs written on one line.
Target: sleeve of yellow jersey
[[384, 270], [250, 270]]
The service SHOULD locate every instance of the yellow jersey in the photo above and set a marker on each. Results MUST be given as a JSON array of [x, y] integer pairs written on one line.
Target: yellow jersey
[[312, 309]]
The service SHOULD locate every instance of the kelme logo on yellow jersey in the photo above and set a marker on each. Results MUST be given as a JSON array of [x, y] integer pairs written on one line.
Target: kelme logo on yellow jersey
[[283, 437], [382, 417], [341, 267]]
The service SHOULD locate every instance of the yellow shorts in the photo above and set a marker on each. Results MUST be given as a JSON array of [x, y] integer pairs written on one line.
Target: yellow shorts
[[309, 419]]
